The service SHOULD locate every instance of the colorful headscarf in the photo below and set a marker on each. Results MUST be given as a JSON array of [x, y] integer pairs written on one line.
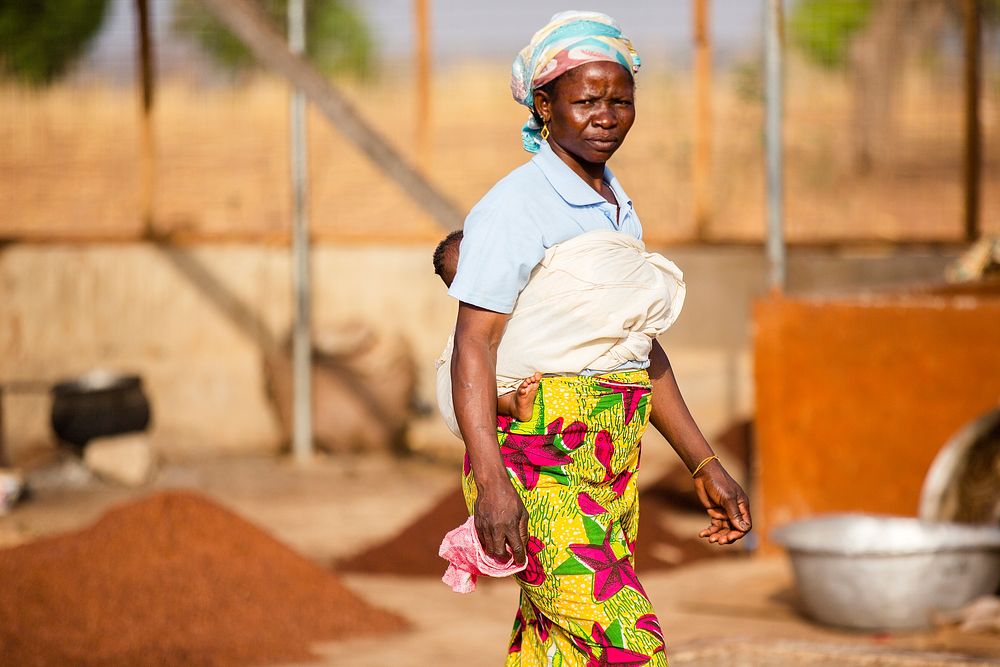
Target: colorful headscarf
[[570, 39]]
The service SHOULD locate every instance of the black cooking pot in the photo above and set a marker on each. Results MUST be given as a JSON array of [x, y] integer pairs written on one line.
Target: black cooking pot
[[98, 404]]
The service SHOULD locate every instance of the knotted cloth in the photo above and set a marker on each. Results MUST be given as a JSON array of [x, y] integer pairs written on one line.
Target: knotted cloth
[[594, 303], [467, 560], [568, 40]]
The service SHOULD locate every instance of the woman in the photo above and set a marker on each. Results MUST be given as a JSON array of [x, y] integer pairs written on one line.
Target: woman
[[560, 490]]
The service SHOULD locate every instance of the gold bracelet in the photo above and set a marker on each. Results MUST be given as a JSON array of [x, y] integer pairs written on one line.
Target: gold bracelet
[[704, 463]]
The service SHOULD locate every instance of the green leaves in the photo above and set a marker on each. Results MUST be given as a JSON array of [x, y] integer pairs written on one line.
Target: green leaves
[[41, 39], [337, 39], [822, 29]]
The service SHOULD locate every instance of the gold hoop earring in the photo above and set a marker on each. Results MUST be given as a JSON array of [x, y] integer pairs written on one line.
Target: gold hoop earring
[[545, 132]]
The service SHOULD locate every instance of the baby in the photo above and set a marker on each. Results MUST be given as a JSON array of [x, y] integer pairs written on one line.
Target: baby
[[517, 403]]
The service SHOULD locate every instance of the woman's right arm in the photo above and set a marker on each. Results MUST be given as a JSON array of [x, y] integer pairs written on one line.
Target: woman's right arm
[[500, 517]]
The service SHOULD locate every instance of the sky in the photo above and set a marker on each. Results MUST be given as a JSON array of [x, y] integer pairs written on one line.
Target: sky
[[468, 29]]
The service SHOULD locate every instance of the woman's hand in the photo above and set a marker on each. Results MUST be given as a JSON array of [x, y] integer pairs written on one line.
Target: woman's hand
[[726, 503], [501, 521]]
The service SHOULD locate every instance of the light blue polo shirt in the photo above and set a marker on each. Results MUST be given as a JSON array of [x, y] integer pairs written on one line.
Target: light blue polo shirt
[[541, 203]]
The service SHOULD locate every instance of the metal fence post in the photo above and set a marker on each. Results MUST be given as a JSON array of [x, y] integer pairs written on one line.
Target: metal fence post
[[302, 431], [774, 158]]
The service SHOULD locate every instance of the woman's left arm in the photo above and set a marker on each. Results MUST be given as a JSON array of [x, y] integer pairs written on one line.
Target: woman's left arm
[[725, 501]]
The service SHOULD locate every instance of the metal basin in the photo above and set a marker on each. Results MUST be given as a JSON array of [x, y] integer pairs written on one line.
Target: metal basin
[[963, 483], [878, 573]]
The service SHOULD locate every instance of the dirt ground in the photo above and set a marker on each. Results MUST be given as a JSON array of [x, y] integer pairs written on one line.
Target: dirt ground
[[337, 507]]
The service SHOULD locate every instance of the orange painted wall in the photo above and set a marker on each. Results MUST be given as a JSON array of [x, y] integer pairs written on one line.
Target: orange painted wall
[[856, 395]]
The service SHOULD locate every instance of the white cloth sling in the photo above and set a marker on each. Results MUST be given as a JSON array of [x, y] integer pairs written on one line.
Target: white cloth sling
[[593, 303]]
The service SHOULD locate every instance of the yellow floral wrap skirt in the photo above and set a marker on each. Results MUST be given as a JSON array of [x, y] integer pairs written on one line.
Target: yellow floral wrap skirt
[[574, 466]]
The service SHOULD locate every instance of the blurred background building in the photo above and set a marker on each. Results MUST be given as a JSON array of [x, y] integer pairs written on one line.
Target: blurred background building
[[157, 242], [147, 228]]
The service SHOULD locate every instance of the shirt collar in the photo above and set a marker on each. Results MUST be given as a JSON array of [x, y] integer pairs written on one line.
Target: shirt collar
[[624, 200], [568, 183]]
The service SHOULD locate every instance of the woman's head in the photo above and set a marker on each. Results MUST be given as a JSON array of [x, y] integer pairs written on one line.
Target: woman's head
[[588, 110], [571, 41]]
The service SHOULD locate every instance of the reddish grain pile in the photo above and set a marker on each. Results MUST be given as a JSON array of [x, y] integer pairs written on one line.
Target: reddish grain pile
[[414, 550], [173, 579]]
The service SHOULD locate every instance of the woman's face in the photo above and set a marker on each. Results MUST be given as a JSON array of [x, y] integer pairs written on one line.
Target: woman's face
[[590, 112]]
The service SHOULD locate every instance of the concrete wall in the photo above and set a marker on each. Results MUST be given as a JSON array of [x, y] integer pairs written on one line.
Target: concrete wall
[[855, 396], [66, 309]]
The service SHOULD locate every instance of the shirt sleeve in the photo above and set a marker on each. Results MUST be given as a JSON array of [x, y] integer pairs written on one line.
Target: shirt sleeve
[[500, 247]]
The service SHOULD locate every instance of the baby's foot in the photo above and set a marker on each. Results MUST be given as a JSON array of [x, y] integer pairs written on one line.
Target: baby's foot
[[524, 398]]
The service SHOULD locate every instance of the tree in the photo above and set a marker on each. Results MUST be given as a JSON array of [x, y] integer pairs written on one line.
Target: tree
[[873, 39], [41, 39], [823, 29], [337, 38]]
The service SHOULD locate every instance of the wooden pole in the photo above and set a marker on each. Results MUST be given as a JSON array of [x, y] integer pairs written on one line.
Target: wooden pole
[[247, 23], [147, 146], [702, 157], [972, 167], [421, 12]]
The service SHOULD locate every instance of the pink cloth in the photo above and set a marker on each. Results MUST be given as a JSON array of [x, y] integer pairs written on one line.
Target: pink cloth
[[467, 560]]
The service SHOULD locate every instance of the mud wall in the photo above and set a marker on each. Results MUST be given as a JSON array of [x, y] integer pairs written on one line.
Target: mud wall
[[856, 395]]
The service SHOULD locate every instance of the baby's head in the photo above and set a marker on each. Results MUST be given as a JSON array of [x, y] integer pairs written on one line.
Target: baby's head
[[446, 257]]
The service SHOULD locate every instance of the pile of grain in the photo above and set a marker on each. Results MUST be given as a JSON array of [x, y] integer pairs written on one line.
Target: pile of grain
[[413, 550], [173, 579]]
